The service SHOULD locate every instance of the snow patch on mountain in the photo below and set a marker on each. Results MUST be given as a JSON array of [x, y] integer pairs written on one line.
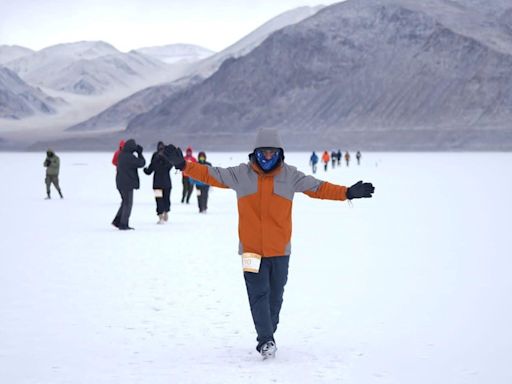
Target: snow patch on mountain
[[88, 68], [12, 52], [173, 53]]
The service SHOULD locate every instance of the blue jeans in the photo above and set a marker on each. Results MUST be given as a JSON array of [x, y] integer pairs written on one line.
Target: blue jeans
[[265, 290]]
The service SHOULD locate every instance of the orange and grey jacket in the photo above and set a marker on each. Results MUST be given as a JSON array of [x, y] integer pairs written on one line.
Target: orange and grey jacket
[[265, 201]]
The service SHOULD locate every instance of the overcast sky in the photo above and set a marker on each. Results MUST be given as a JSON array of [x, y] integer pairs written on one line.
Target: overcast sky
[[129, 24]]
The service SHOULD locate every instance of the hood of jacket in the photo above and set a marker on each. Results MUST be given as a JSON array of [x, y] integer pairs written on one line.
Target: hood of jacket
[[268, 137], [130, 146]]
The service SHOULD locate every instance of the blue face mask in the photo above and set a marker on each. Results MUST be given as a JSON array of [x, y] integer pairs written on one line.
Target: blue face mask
[[267, 164]]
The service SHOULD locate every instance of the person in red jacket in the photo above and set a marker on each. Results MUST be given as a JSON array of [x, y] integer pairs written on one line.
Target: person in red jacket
[[115, 159], [325, 159], [265, 187], [188, 187]]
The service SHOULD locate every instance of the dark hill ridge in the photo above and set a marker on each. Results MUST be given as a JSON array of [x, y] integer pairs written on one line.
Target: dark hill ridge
[[118, 115]]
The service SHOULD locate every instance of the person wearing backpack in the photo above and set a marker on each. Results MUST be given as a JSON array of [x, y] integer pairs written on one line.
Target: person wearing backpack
[[160, 167]]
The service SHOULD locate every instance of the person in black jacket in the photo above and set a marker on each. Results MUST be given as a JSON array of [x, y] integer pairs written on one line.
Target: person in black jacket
[[338, 157], [127, 179], [162, 184]]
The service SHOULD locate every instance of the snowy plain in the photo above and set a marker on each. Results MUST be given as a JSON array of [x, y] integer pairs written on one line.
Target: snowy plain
[[412, 286]]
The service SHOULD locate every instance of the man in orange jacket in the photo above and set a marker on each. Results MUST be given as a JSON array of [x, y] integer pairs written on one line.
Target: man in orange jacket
[[265, 187]]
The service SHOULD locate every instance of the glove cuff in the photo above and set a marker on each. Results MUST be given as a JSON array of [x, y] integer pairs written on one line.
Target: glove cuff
[[181, 165]]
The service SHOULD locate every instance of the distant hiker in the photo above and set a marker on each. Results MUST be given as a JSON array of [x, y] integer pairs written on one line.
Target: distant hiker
[[347, 158], [127, 179], [188, 187], [52, 165], [265, 187], [313, 160], [325, 159], [358, 157], [333, 159], [161, 167], [338, 157], [202, 188], [115, 159]]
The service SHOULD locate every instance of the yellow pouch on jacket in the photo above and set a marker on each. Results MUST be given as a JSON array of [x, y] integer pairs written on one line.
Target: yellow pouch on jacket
[[251, 262], [159, 192]]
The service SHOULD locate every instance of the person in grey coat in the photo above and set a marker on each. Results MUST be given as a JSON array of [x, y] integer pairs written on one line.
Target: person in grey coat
[[52, 164], [127, 179]]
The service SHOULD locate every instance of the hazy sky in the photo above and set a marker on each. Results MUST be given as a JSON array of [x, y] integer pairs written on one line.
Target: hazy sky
[[129, 24]]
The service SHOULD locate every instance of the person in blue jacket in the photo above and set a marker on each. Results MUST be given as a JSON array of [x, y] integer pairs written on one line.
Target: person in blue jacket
[[313, 160]]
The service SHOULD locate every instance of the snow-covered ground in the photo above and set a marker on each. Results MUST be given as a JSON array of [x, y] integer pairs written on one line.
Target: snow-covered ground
[[412, 286]]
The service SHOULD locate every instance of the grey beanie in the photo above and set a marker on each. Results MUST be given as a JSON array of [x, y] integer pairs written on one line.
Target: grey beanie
[[268, 137]]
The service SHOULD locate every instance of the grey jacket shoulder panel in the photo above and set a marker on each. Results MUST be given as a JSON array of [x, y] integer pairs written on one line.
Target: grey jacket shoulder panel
[[244, 180], [290, 180], [241, 178]]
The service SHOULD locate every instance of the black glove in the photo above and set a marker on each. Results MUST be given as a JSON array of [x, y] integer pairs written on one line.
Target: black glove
[[47, 163], [139, 149], [146, 171], [359, 190], [175, 156]]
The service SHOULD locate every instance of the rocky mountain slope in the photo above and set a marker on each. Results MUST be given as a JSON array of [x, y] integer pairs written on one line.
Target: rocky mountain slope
[[388, 73], [18, 99]]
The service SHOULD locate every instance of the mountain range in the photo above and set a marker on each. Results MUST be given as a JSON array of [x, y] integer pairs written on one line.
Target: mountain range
[[371, 74], [86, 68], [119, 114], [19, 100], [378, 74]]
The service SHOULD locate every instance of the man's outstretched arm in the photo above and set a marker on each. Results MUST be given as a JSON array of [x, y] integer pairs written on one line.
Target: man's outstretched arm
[[339, 192], [214, 176], [319, 189], [328, 191]]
